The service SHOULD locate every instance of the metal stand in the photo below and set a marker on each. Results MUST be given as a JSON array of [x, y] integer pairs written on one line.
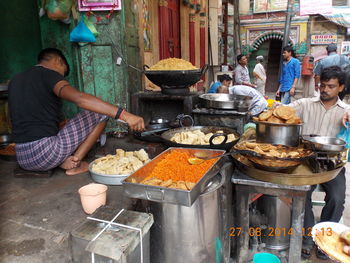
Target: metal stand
[[245, 188]]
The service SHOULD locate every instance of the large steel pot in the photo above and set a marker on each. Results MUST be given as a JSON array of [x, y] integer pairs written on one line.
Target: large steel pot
[[226, 101], [275, 133], [198, 233], [166, 136]]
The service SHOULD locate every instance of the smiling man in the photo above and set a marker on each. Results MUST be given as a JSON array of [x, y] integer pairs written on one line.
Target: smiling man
[[324, 116]]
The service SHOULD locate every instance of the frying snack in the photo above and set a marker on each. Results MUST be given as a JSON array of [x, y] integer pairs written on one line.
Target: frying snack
[[282, 114], [120, 163], [274, 119], [270, 150], [174, 171], [173, 64], [265, 115], [197, 137], [333, 245]]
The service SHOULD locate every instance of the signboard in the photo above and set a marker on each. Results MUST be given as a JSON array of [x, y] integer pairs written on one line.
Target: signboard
[[263, 6], [99, 5], [313, 7], [323, 39], [345, 47]]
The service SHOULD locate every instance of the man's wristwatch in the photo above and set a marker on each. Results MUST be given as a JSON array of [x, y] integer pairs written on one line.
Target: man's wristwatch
[[119, 112]]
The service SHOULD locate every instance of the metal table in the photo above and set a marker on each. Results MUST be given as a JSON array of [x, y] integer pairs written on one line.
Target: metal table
[[245, 188]]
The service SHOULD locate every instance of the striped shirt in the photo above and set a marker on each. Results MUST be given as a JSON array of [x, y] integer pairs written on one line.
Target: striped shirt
[[316, 119]]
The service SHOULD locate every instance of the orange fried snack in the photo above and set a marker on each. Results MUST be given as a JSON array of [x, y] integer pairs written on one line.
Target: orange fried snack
[[175, 167]]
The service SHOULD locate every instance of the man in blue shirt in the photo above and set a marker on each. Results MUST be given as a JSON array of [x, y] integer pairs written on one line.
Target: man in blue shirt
[[290, 75], [224, 81]]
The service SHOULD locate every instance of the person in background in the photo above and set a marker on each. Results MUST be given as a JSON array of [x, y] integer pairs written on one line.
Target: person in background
[[224, 81], [35, 109], [290, 75], [260, 75], [324, 116], [242, 73], [258, 103], [333, 59]]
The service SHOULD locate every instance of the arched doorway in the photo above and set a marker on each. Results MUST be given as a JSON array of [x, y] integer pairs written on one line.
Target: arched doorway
[[270, 47]]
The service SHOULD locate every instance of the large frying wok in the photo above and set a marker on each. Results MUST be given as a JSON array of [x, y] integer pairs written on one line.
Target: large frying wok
[[174, 78], [166, 136]]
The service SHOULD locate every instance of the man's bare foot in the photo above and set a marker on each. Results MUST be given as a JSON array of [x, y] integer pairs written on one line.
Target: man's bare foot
[[82, 168], [70, 163]]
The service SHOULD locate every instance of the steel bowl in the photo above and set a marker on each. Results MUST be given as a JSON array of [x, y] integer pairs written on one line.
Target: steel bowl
[[5, 139], [324, 144], [275, 133], [159, 121], [109, 179], [225, 101]]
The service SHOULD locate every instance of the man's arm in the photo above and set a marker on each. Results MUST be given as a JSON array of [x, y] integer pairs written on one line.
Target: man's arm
[[296, 78], [91, 103]]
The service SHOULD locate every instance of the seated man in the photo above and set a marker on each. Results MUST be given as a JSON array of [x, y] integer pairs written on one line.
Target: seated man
[[258, 101], [224, 81], [35, 109]]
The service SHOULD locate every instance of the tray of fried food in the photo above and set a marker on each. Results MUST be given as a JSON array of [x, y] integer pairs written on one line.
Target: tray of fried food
[[270, 155], [280, 115]]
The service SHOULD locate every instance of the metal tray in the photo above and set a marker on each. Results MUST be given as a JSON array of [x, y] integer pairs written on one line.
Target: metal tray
[[171, 195], [109, 179], [302, 175]]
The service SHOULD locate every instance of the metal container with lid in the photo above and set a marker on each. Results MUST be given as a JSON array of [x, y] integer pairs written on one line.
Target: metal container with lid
[[198, 233], [276, 133]]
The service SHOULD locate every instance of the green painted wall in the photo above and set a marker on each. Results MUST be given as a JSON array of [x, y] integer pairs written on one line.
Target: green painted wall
[[20, 37], [93, 66]]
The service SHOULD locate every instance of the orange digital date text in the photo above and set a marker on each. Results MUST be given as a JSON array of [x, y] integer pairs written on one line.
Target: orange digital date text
[[277, 231]]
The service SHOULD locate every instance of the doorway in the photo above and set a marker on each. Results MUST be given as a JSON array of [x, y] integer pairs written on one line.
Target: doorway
[[271, 51], [169, 29], [273, 63]]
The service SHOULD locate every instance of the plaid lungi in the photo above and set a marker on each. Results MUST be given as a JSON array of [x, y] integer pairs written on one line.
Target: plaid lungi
[[50, 152]]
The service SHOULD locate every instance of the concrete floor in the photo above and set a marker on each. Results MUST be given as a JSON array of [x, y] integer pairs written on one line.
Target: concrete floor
[[37, 214]]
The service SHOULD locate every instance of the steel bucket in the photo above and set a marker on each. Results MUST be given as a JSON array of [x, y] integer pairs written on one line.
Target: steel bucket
[[278, 214], [274, 133], [199, 233]]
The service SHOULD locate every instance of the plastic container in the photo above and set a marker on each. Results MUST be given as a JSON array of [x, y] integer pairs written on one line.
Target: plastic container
[[265, 258], [92, 196]]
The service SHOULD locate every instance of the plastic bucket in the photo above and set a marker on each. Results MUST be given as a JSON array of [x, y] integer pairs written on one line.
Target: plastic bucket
[[92, 196], [265, 258]]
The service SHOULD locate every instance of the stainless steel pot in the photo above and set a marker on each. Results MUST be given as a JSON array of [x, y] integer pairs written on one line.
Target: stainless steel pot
[[274, 133], [324, 144], [198, 233], [225, 101]]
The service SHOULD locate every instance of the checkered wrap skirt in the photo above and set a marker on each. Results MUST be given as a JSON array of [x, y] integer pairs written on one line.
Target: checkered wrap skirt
[[50, 152]]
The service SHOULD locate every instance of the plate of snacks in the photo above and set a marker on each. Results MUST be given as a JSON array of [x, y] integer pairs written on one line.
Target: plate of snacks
[[112, 169], [333, 239]]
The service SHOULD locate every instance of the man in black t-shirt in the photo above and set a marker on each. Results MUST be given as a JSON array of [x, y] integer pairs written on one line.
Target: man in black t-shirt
[[35, 108]]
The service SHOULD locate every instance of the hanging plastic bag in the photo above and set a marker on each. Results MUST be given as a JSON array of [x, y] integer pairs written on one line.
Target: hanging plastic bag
[[344, 134], [90, 26], [81, 33]]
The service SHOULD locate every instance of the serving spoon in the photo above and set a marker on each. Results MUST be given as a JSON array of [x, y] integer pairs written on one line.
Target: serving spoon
[[201, 157]]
